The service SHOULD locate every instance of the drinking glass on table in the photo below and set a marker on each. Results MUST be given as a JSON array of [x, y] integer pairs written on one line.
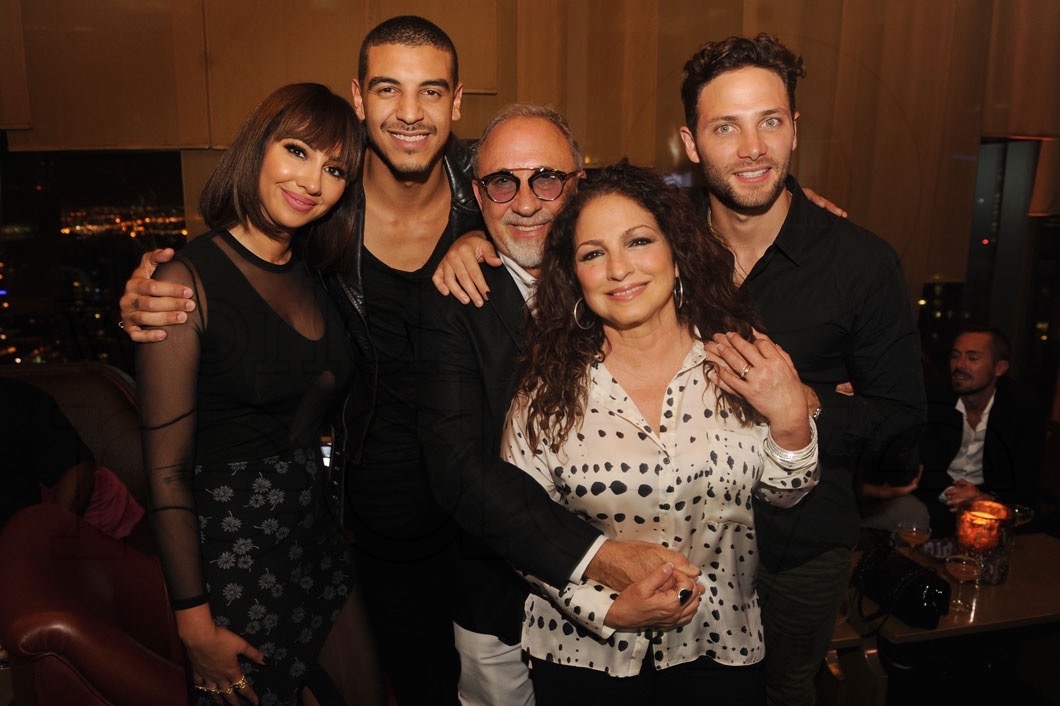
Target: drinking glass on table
[[912, 533], [965, 570]]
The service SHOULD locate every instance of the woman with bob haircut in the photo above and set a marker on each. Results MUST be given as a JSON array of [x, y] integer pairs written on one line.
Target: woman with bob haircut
[[233, 405], [648, 403]]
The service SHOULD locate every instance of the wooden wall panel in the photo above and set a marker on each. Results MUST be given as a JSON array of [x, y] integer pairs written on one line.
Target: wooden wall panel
[[612, 72], [541, 51], [1021, 87], [114, 74], [947, 220], [14, 88], [684, 26], [256, 46], [914, 139]]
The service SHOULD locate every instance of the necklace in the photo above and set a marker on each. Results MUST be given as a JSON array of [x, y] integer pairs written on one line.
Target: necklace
[[739, 274]]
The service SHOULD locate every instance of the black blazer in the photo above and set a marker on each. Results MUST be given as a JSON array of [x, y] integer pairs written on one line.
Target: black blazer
[[1012, 451], [465, 380]]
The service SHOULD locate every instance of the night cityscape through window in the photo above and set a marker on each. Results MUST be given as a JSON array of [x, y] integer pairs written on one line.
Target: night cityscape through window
[[72, 227]]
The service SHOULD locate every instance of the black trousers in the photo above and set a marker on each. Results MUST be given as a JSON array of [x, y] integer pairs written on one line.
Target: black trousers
[[701, 681], [409, 606]]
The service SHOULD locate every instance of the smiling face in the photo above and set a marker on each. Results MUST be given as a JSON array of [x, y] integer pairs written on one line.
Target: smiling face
[[408, 104], [298, 184], [745, 134], [624, 264], [522, 145]]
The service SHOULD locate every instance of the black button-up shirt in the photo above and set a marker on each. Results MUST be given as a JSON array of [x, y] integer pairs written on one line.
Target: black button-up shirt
[[833, 296]]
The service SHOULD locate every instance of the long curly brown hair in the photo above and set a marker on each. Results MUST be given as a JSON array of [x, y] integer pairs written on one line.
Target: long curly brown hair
[[553, 372]]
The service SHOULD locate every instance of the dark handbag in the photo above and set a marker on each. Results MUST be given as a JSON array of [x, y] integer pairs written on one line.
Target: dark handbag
[[914, 594]]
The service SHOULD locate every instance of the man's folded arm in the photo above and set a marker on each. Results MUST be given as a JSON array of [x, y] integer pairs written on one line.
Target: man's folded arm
[[460, 416]]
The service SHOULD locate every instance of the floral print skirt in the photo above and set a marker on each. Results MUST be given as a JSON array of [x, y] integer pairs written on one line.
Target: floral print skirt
[[277, 567]]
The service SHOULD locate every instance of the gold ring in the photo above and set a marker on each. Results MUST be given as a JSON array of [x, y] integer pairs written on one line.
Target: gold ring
[[206, 689], [743, 373], [241, 684]]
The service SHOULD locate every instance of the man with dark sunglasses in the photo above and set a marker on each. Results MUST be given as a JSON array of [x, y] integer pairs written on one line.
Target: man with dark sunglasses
[[530, 164], [416, 198]]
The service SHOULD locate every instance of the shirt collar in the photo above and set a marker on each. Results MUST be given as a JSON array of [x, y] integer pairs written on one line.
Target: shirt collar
[[524, 281], [986, 410], [694, 358], [795, 235]]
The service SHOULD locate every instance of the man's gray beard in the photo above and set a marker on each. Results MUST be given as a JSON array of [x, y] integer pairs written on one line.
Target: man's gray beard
[[525, 255], [726, 193]]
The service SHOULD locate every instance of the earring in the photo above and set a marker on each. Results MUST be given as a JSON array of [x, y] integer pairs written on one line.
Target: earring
[[679, 292], [578, 318]]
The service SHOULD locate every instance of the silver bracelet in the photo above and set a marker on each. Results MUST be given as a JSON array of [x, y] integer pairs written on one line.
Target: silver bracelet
[[792, 458]]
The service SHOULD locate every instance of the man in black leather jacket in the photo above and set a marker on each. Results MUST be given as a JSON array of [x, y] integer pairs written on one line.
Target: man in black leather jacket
[[414, 199]]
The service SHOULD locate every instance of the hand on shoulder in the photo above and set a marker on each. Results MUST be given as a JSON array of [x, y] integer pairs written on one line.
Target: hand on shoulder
[[149, 303]]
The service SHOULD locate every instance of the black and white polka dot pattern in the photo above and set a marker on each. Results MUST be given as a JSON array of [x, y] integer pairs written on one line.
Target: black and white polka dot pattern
[[687, 486]]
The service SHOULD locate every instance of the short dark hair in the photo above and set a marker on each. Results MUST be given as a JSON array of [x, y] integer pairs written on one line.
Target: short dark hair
[[1000, 348], [407, 31], [309, 112], [531, 110], [715, 58]]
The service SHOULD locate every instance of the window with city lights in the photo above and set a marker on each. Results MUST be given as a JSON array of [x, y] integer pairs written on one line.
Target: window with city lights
[[72, 227]]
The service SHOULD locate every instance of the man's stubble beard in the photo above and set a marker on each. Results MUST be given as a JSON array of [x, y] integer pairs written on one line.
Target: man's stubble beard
[[957, 385], [405, 173], [723, 190]]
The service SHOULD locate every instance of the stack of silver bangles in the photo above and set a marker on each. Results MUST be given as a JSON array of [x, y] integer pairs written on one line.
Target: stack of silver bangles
[[792, 458]]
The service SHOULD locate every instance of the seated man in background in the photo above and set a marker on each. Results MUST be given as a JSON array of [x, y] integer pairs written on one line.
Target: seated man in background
[[44, 460], [986, 442], [983, 439]]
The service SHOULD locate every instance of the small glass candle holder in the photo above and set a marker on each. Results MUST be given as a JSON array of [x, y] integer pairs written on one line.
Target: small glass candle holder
[[984, 529]]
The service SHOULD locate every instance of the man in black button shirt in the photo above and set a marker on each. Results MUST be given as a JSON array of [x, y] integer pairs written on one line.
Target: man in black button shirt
[[833, 295]]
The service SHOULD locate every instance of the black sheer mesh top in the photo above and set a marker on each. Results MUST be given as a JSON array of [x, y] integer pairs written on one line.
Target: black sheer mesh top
[[261, 363]]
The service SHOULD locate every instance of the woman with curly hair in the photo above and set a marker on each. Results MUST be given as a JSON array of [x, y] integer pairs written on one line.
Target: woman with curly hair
[[647, 402]]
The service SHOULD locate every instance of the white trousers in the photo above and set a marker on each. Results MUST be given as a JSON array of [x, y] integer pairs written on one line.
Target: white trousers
[[491, 672]]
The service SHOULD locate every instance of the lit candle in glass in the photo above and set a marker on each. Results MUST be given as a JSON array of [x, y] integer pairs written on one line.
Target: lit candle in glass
[[979, 526]]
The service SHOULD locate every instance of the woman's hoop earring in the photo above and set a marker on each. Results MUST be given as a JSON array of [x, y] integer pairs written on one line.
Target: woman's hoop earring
[[578, 317], [679, 292]]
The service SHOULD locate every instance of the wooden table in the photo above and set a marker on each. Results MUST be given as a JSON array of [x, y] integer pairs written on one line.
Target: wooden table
[[1030, 595]]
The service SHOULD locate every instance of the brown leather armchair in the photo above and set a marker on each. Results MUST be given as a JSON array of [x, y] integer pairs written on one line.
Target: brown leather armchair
[[85, 618]]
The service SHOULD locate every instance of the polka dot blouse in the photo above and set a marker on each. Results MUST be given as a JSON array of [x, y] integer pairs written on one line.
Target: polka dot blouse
[[688, 486]]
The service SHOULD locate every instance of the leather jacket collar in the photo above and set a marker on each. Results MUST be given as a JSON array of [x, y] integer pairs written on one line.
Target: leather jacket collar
[[464, 209]]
